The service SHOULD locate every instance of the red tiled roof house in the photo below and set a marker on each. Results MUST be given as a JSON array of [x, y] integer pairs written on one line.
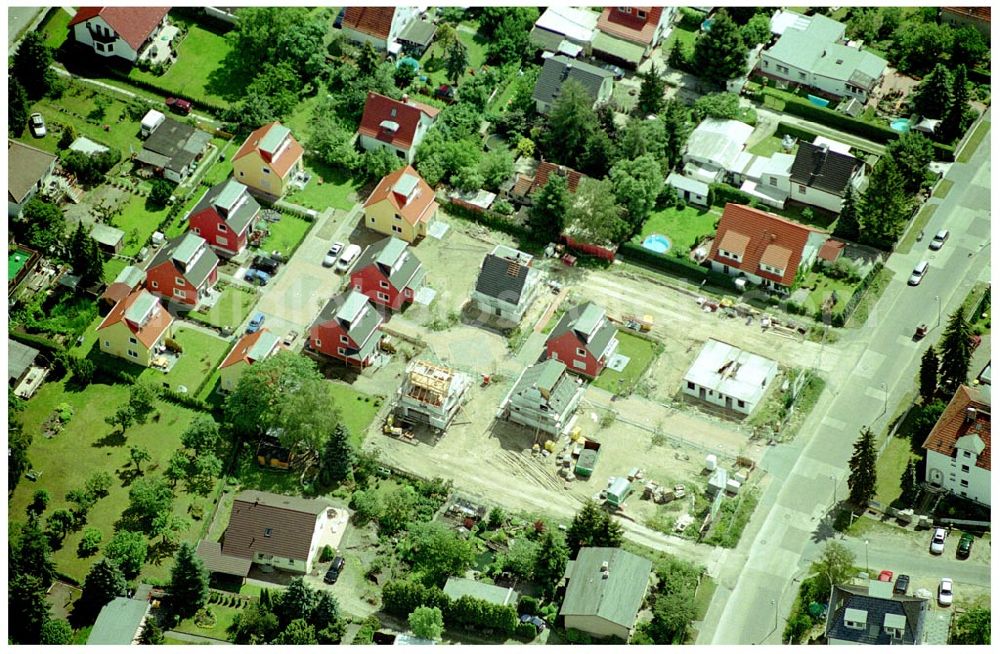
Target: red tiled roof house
[[978, 17], [642, 28], [224, 217], [380, 26], [958, 447], [347, 329], [766, 249], [402, 205], [249, 349], [583, 339], [184, 270], [135, 329], [398, 126], [388, 273], [269, 160], [118, 31]]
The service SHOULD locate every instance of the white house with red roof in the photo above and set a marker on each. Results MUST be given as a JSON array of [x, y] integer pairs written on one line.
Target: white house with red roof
[[269, 161], [766, 249], [958, 447], [398, 126], [118, 31], [380, 26], [249, 349], [630, 34]]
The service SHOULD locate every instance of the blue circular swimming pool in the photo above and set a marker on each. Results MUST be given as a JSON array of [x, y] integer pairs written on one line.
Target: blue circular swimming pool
[[657, 243], [900, 125]]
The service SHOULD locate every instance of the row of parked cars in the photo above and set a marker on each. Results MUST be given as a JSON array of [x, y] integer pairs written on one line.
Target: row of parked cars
[[340, 257]]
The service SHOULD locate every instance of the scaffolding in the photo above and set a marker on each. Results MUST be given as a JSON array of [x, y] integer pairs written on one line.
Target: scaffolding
[[429, 384]]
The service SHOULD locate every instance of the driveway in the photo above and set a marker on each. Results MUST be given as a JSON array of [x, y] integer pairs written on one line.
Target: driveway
[[302, 286]]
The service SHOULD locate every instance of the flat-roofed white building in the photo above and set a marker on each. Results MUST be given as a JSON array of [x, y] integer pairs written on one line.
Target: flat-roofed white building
[[726, 376]]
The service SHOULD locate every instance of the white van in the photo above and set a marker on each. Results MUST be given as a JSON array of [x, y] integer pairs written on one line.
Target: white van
[[918, 273], [351, 253]]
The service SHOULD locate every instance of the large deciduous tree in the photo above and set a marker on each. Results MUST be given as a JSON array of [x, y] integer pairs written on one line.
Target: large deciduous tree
[[46, 225], [426, 622], [254, 405], [834, 566], [720, 54], [862, 479], [595, 214], [956, 352], [148, 498], [636, 184], [972, 627], [128, 550], [437, 552], [913, 153], [547, 216]]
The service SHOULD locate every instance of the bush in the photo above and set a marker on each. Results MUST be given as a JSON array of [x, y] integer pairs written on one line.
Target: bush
[[577, 637], [691, 19], [162, 191], [720, 194], [67, 137], [679, 266], [526, 631], [90, 542], [527, 604], [326, 554]]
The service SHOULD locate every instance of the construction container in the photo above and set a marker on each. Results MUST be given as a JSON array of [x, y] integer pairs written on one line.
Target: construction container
[[733, 486], [576, 435], [618, 489], [711, 463], [550, 446], [585, 464]]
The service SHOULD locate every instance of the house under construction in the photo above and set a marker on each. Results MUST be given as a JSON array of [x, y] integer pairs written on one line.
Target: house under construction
[[431, 394], [726, 376]]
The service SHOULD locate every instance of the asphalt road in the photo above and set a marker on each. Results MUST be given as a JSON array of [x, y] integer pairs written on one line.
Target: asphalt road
[[788, 530], [18, 18]]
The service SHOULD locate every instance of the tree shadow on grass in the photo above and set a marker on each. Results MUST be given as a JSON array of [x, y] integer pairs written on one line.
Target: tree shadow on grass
[[114, 438], [160, 551], [230, 79], [128, 474]]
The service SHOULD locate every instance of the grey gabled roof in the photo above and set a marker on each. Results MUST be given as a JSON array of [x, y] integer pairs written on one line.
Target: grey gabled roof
[[203, 265], [173, 145], [502, 278], [384, 254], [244, 213], [846, 598], [618, 598], [118, 622], [823, 169], [580, 319], [549, 377], [20, 357], [418, 31], [558, 69], [26, 165], [362, 329]]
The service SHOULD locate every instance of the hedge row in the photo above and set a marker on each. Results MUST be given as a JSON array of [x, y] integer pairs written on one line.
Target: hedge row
[[840, 318], [682, 267], [721, 194], [200, 103], [41, 342], [793, 104], [186, 400], [400, 598], [795, 132]]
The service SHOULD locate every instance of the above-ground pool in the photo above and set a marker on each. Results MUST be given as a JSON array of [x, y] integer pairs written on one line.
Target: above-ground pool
[[901, 125], [657, 243], [819, 102]]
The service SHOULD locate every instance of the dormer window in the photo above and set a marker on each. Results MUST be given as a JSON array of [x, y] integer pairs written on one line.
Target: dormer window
[[267, 532], [855, 619]]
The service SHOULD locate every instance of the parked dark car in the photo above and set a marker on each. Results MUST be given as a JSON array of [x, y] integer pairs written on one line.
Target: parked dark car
[[333, 574], [179, 105], [535, 620], [902, 585], [267, 264], [964, 546], [258, 277], [445, 92]]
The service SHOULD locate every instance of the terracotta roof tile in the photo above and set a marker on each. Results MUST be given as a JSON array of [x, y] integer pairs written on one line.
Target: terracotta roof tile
[[831, 250], [628, 26], [133, 24], [147, 333], [375, 21], [766, 235], [980, 13], [286, 157], [954, 424], [241, 351], [420, 208], [546, 168], [380, 109]]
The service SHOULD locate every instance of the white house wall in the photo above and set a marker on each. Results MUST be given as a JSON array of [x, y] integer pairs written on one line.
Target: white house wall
[[118, 47], [368, 143], [951, 476], [816, 197]]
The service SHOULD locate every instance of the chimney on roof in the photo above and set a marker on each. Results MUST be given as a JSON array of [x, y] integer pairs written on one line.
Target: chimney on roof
[[406, 98], [824, 148], [970, 415]]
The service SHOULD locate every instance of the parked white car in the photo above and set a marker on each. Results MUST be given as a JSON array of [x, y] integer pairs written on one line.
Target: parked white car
[[332, 254], [37, 125], [944, 592], [937, 541], [351, 253]]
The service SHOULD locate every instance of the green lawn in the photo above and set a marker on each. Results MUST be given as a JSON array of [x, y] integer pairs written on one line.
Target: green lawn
[[823, 287], [286, 234], [180, 223], [682, 226], [641, 353], [222, 168], [111, 269], [299, 121], [919, 223], [973, 143], [56, 27], [202, 355], [432, 64], [224, 616], [943, 187], [78, 107], [87, 445], [139, 219], [231, 309], [806, 215], [357, 409], [890, 468], [198, 74], [329, 187], [686, 37], [770, 145]]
